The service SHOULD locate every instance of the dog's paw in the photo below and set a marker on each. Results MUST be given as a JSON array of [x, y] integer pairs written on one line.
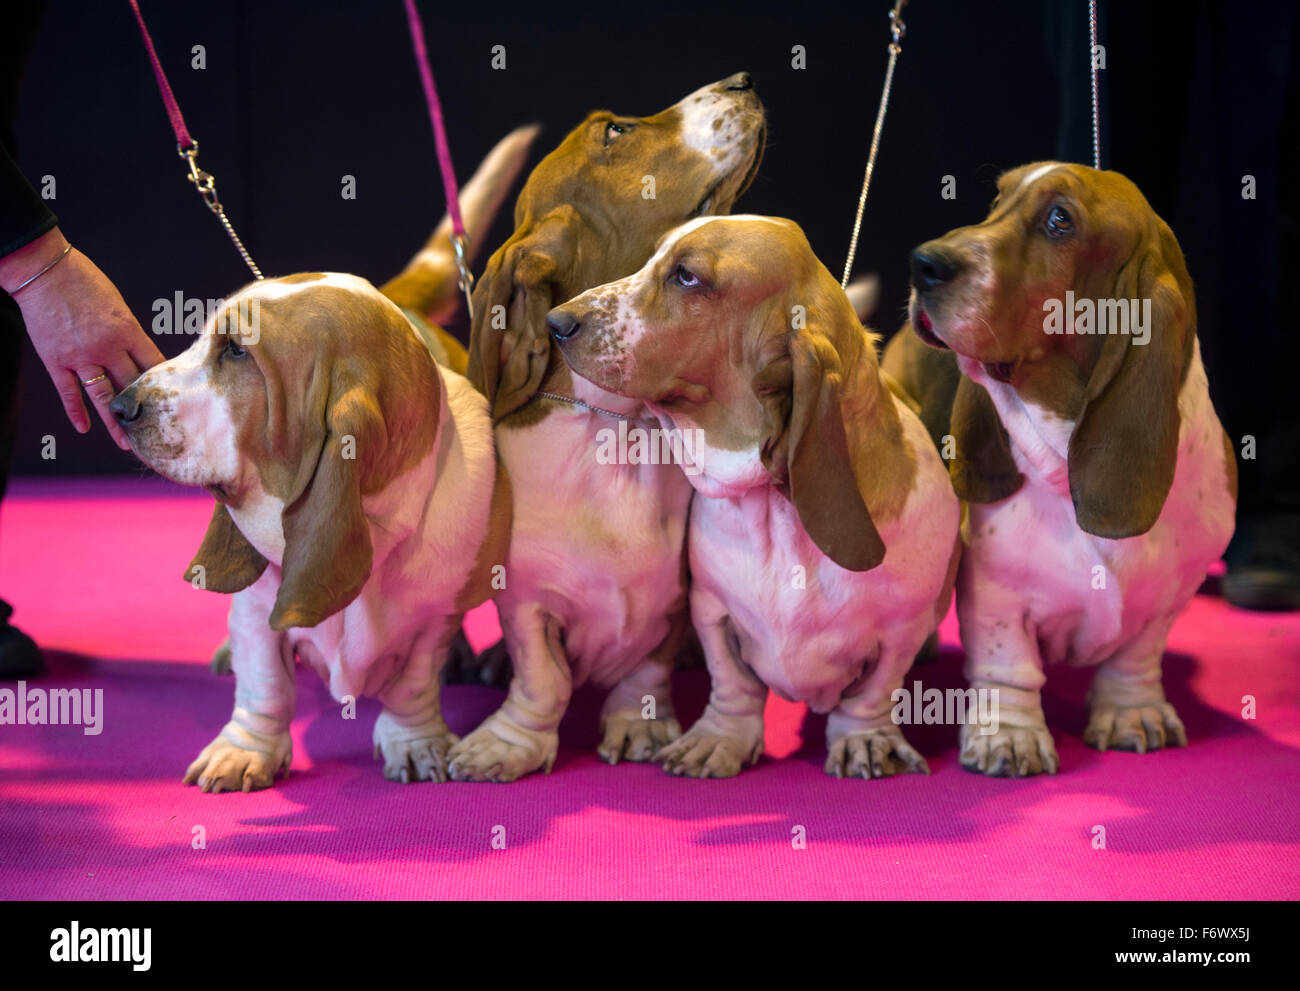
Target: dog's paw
[[874, 753], [501, 750], [703, 753], [627, 736], [1010, 752], [1137, 727], [412, 753], [226, 766]]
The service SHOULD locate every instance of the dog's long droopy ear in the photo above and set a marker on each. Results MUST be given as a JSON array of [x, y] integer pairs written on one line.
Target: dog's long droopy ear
[[1124, 450], [229, 562], [327, 552], [982, 469], [806, 446], [510, 346]]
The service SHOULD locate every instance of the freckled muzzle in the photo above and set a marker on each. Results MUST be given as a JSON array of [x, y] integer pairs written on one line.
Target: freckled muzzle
[[139, 405], [589, 341], [143, 410]]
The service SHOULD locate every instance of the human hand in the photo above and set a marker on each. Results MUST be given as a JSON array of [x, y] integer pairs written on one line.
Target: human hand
[[81, 328]]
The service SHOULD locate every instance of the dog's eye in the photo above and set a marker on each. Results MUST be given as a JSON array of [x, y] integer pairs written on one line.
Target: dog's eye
[[685, 278], [994, 205], [612, 131], [703, 208], [1058, 222], [234, 349]]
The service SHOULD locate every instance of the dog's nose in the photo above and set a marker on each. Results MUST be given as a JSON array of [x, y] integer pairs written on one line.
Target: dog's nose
[[932, 267], [562, 324], [126, 407], [740, 82]]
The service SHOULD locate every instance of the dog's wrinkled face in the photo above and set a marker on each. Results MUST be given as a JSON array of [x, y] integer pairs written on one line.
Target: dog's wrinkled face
[[304, 395], [649, 174], [230, 413], [180, 415], [735, 331], [689, 332], [1074, 294], [980, 290], [592, 211]]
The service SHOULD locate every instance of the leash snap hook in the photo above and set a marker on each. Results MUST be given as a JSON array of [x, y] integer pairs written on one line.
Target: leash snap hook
[[203, 181], [460, 243], [896, 26]]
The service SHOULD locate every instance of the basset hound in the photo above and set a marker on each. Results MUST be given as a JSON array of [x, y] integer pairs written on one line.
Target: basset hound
[[360, 506], [823, 538], [1101, 485], [595, 582]]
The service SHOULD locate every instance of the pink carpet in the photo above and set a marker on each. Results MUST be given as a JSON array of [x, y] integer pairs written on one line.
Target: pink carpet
[[92, 569]]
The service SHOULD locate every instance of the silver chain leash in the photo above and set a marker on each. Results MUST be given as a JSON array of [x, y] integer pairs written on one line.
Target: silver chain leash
[[1092, 62], [897, 30], [584, 405], [206, 184]]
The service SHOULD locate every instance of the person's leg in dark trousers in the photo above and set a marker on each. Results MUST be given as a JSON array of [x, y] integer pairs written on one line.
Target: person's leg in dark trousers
[[19, 656], [1259, 249], [1242, 122]]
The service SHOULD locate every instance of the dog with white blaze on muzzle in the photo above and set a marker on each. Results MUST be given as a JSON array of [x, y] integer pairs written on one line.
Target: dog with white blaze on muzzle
[[823, 537], [360, 507], [1101, 485]]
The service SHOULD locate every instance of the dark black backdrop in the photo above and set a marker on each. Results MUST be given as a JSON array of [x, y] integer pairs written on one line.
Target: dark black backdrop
[[297, 94]]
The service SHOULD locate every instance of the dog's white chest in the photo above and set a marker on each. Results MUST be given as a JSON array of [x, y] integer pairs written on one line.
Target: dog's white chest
[[1086, 595], [807, 627]]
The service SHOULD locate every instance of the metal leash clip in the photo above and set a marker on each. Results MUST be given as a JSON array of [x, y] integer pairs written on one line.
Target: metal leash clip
[[460, 242], [896, 26], [206, 184]]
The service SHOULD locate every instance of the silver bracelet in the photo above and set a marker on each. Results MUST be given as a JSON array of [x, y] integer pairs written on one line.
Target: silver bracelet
[[62, 255]]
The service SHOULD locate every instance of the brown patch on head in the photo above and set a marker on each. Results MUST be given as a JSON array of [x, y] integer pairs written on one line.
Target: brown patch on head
[[582, 220], [736, 328], [334, 399], [1056, 229]]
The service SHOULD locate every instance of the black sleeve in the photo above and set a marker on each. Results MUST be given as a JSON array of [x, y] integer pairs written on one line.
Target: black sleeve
[[23, 214]]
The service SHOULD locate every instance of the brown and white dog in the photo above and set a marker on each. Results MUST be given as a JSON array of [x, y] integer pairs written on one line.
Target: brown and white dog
[[1101, 484], [595, 583], [823, 539], [360, 507]]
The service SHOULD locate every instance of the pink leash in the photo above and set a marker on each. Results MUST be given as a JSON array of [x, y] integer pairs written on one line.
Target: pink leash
[[460, 239], [188, 148]]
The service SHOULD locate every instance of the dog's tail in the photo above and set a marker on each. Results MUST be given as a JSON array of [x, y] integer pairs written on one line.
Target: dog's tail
[[428, 284], [864, 294]]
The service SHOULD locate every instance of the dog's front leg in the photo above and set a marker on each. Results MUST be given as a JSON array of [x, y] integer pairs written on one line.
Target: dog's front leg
[[728, 737], [410, 733], [862, 739], [523, 735], [255, 745], [637, 717], [1126, 703], [1002, 656]]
